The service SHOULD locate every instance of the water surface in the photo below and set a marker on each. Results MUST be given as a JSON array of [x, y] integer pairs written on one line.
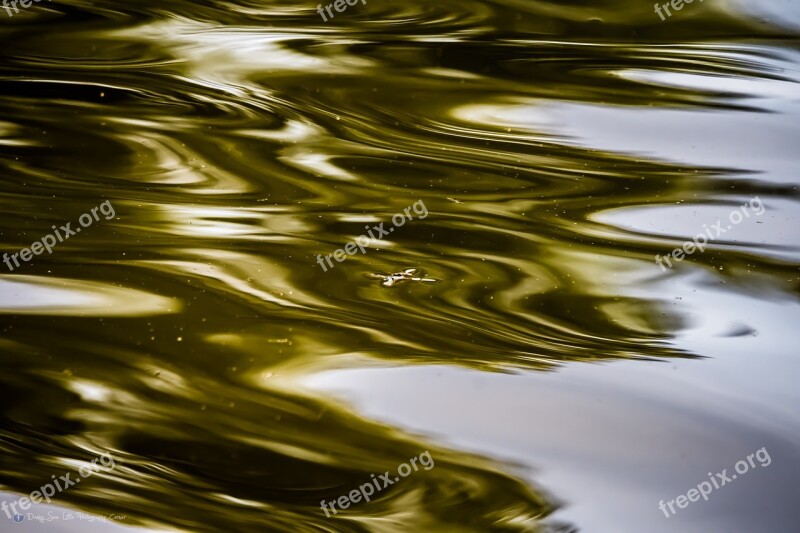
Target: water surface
[[560, 379]]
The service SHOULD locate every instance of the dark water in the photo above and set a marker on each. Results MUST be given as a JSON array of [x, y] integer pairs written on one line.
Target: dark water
[[558, 377]]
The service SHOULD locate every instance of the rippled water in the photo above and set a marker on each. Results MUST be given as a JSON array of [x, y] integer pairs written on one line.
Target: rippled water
[[557, 147]]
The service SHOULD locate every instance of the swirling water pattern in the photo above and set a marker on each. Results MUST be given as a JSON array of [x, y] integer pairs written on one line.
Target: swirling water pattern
[[558, 147]]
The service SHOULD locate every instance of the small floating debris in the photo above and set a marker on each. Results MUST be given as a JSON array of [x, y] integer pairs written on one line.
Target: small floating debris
[[409, 274]]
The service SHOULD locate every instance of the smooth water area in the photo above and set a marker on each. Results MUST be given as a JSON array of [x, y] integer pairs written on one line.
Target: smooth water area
[[512, 321]]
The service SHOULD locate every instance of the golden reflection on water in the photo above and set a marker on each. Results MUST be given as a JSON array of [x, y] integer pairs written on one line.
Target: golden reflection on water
[[239, 140]]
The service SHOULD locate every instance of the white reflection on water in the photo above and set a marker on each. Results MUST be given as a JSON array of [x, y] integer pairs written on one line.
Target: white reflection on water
[[38, 295]]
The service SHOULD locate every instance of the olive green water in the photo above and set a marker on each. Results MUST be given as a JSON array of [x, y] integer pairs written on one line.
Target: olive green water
[[558, 377]]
